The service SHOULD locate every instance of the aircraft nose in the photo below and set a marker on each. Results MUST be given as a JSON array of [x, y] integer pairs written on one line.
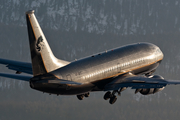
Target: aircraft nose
[[159, 54]]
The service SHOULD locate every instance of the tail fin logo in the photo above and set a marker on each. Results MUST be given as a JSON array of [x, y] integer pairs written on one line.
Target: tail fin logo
[[39, 44]]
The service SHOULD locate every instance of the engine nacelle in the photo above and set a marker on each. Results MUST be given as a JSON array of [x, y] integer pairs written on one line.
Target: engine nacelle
[[147, 91], [158, 89], [152, 90], [156, 76]]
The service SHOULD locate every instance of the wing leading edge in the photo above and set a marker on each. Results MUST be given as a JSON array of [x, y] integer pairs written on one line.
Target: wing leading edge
[[138, 82]]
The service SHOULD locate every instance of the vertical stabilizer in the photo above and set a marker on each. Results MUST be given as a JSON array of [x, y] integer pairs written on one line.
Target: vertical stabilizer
[[43, 60]]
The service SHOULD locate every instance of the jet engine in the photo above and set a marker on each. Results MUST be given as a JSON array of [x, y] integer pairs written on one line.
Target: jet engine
[[147, 91], [151, 90], [156, 76]]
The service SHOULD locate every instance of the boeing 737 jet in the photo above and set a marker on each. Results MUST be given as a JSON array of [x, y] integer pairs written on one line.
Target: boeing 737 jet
[[111, 71]]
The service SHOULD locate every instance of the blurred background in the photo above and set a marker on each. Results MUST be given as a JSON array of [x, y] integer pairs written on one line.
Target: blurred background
[[79, 28]]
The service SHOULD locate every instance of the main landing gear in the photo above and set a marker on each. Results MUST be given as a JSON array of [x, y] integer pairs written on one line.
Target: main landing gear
[[112, 96], [81, 97]]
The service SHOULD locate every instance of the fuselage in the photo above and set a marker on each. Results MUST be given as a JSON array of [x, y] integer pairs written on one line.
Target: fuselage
[[96, 71]]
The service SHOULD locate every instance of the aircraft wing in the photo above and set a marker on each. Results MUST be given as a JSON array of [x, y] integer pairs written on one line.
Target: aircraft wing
[[15, 76], [138, 82], [17, 66]]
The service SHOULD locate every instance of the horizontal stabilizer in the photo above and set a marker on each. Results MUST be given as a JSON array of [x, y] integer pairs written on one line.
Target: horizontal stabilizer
[[17, 65], [15, 76]]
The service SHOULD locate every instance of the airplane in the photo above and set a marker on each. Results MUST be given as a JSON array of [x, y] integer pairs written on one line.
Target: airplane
[[130, 66]]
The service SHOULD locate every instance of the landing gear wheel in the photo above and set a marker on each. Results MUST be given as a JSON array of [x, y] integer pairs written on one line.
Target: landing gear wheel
[[107, 95], [87, 94], [113, 100], [80, 97]]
